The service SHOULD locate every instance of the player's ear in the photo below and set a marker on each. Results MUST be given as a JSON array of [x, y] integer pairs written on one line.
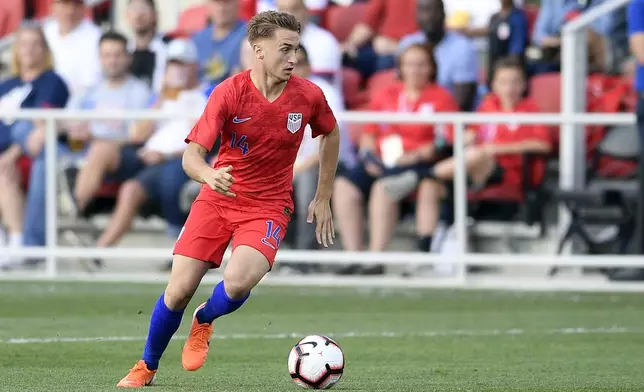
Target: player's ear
[[259, 52]]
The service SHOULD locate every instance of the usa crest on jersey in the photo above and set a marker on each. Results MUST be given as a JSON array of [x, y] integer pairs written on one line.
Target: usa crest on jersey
[[294, 122]]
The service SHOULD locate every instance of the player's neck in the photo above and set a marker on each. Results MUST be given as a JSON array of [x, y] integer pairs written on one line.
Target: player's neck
[[271, 88]]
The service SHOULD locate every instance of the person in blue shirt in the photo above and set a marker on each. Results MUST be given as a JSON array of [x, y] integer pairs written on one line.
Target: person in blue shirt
[[218, 45], [636, 40], [33, 85], [456, 57]]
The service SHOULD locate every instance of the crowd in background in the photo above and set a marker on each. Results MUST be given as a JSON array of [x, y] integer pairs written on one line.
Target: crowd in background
[[432, 62]]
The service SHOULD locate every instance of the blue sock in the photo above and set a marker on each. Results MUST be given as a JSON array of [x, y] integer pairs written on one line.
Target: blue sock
[[163, 324], [219, 304]]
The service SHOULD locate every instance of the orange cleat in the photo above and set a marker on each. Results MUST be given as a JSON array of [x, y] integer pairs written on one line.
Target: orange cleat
[[139, 376], [195, 350]]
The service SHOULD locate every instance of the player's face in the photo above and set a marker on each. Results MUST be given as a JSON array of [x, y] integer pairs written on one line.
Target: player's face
[[508, 85], [31, 49], [114, 59], [280, 53], [415, 68]]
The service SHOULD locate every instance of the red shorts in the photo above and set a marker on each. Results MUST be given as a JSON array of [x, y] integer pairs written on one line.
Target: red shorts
[[210, 228]]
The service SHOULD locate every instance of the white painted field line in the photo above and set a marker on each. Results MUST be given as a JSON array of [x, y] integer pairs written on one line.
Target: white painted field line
[[297, 335]]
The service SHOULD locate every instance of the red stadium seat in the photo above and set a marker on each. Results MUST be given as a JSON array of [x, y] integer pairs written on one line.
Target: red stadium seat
[[545, 89], [341, 20], [381, 80], [351, 80], [191, 20], [11, 14]]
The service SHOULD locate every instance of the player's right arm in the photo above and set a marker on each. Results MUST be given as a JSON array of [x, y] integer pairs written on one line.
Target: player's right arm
[[202, 138]]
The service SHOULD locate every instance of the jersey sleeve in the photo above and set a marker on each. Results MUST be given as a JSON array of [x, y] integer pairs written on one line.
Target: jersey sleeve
[[207, 129], [322, 121]]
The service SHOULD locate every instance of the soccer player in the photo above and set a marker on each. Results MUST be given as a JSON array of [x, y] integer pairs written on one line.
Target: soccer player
[[261, 115]]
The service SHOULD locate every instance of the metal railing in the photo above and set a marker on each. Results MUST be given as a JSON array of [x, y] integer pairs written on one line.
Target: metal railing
[[52, 251]]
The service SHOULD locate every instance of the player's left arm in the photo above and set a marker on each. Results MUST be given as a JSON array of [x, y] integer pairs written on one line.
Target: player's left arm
[[324, 125]]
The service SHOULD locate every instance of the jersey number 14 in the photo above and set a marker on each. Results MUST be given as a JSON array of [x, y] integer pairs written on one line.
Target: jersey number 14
[[239, 143]]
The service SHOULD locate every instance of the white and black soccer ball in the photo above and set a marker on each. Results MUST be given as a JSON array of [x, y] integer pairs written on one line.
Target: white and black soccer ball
[[316, 362]]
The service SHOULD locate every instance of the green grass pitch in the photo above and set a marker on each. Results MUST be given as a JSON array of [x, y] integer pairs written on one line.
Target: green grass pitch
[[85, 336]]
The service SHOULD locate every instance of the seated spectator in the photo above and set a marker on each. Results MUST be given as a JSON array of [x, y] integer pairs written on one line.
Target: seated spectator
[[507, 35], [33, 84], [372, 44], [553, 14], [388, 149], [316, 7], [147, 47], [325, 62], [107, 141], [162, 177], [218, 45], [455, 54], [69, 34], [495, 157], [305, 171]]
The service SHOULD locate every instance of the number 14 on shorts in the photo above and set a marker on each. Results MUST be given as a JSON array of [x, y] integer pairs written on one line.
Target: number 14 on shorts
[[273, 235]]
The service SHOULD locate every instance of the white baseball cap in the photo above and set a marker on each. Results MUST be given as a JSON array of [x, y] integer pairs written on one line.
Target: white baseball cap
[[183, 50]]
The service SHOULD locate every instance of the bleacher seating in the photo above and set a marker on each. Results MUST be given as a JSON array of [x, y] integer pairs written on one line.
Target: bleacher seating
[[12, 13]]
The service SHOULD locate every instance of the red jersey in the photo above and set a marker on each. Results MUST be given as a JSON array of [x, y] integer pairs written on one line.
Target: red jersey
[[510, 133], [259, 139], [393, 99]]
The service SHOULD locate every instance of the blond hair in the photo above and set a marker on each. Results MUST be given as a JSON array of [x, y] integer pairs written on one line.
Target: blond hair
[[264, 24], [15, 58]]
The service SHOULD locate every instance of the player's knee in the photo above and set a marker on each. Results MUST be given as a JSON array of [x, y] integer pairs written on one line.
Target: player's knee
[[237, 286], [177, 297]]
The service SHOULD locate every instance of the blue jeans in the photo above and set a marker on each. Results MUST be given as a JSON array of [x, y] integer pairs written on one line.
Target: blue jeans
[[34, 218], [163, 184]]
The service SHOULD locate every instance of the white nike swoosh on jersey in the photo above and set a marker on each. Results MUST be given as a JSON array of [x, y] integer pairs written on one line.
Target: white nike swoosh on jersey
[[240, 120]]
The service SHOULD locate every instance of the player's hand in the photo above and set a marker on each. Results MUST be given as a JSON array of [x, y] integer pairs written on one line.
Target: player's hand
[[320, 210], [408, 159], [220, 180]]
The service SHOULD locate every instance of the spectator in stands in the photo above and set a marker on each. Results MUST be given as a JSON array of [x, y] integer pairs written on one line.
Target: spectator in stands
[[390, 148], [161, 180], [147, 47], [305, 171], [33, 84], [108, 151], [494, 155], [68, 35], [553, 14], [219, 44], [325, 62], [455, 54], [316, 7], [507, 35], [372, 44]]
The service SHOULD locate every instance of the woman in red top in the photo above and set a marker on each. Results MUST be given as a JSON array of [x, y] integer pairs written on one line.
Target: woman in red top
[[495, 156], [390, 148]]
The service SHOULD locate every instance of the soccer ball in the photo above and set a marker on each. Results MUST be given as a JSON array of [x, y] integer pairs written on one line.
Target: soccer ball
[[316, 362]]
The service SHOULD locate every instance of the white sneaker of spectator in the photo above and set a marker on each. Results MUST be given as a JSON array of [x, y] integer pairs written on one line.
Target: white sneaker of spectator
[[11, 241]]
